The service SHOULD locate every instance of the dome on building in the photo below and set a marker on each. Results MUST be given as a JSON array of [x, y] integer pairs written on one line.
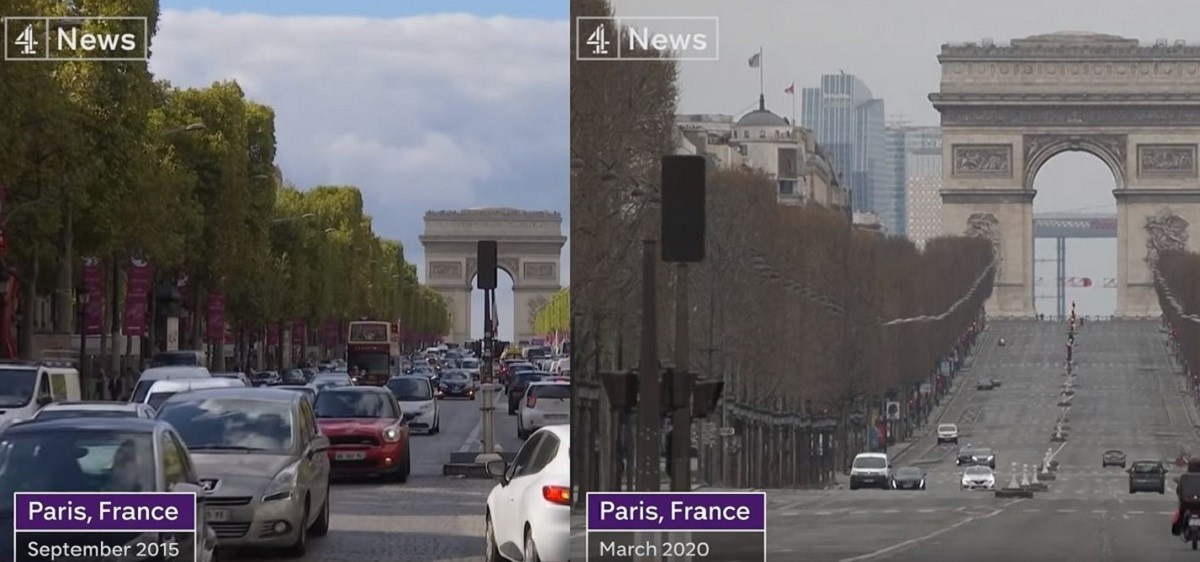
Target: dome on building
[[761, 117]]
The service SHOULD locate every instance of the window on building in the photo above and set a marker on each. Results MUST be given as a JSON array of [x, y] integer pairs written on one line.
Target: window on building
[[787, 187], [762, 134]]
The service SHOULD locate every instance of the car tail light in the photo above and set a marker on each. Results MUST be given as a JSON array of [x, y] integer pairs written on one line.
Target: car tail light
[[560, 495], [531, 401]]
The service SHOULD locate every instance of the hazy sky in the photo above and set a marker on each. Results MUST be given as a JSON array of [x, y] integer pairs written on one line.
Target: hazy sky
[[893, 48], [420, 108]]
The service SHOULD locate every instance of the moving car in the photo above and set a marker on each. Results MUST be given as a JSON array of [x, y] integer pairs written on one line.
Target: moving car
[[983, 457], [1147, 476], [326, 380], [93, 409], [947, 433], [308, 391], [978, 478], [235, 375], [366, 430], [160, 391], [417, 402], [985, 384], [518, 382], [908, 477], [1113, 458], [964, 455], [871, 469], [262, 461], [25, 387], [155, 374], [546, 403], [457, 383], [529, 511], [80, 455], [181, 358]]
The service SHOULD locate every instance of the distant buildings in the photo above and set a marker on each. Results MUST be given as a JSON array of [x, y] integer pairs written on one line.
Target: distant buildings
[[916, 153], [762, 140], [849, 123]]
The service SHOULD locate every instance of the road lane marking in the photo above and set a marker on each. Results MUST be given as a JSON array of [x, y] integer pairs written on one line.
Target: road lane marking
[[926, 510], [1099, 511], [1066, 511], [1033, 511], [934, 534], [1135, 512], [791, 513]]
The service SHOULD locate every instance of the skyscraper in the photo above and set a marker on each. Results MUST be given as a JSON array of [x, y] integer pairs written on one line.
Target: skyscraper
[[849, 123], [917, 155]]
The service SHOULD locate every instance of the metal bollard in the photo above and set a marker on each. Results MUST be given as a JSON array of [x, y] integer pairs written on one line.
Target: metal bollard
[[1012, 484]]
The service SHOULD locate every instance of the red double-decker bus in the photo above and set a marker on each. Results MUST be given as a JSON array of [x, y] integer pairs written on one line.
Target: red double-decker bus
[[373, 346]]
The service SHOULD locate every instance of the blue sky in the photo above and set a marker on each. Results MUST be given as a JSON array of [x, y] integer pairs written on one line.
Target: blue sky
[[536, 9], [421, 105]]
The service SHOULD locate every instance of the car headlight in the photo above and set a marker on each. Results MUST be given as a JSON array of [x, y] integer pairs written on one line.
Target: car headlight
[[922, 484], [391, 435], [282, 486]]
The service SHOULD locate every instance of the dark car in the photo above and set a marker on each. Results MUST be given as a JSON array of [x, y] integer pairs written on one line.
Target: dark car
[[294, 376], [519, 382], [1113, 458], [964, 456], [983, 457], [908, 478], [985, 384], [1147, 476], [88, 455], [457, 383]]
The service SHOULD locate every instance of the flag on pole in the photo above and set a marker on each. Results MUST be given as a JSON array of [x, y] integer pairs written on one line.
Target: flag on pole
[[755, 60], [790, 89]]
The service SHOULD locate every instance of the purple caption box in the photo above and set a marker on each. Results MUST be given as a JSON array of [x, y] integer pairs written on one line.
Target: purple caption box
[[104, 512], [683, 511]]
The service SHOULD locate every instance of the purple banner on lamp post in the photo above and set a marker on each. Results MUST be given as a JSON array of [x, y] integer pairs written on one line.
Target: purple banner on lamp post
[[684, 511], [104, 512]]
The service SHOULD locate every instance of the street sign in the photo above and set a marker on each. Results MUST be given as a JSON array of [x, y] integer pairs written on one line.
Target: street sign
[[726, 432]]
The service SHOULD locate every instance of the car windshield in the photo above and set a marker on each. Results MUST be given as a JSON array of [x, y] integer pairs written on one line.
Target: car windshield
[[357, 403], [908, 472], [1145, 468], [58, 414], [455, 376], [76, 461], [410, 390], [947, 427], [245, 424], [549, 391], [987, 453], [16, 387], [1115, 454], [470, 363], [870, 462], [979, 471], [523, 379], [155, 400]]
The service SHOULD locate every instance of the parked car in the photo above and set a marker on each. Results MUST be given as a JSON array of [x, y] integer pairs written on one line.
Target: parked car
[[263, 463], [417, 402], [80, 455], [546, 403], [93, 409], [529, 511], [366, 431], [1113, 458]]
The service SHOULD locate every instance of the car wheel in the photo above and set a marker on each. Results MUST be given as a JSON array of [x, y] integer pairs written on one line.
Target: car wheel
[[437, 425], [300, 547], [521, 433], [491, 551], [853, 486], [320, 527], [402, 471], [531, 553]]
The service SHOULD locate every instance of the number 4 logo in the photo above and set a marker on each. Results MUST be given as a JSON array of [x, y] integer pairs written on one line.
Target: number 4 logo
[[27, 41]]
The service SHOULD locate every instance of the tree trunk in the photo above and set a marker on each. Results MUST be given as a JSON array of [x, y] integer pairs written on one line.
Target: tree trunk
[[117, 316], [62, 302]]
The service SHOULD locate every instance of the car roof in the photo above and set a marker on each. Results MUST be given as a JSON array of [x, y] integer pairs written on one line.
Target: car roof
[[175, 371], [134, 425], [880, 455], [411, 377], [562, 432], [92, 405], [239, 393], [363, 388], [550, 383], [169, 385], [978, 468]]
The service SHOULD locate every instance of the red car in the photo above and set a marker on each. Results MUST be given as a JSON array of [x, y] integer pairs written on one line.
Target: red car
[[366, 430]]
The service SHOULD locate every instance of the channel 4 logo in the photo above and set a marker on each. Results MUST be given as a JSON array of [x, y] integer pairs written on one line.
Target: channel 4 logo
[[101, 38], [688, 38]]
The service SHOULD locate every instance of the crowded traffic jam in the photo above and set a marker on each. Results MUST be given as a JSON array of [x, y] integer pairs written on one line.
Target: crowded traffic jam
[[262, 448]]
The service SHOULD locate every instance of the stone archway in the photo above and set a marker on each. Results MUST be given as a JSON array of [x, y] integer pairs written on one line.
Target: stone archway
[[1006, 110], [529, 249]]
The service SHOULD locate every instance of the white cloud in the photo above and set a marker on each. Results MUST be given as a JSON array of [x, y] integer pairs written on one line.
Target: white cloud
[[429, 112]]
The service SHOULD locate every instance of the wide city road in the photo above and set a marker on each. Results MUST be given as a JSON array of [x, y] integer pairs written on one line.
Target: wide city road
[[1127, 397], [429, 518]]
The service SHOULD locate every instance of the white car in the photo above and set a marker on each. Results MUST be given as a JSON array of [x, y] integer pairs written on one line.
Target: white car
[[978, 478], [545, 403], [529, 511], [947, 433], [94, 409], [417, 401], [871, 469], [161, 390]]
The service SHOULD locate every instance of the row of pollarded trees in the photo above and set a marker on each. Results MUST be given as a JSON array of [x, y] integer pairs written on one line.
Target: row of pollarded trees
[[99, 159], [1177, 283]]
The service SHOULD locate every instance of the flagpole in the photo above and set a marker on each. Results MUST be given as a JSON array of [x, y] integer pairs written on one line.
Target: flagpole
[[761, 92], [793, 105]]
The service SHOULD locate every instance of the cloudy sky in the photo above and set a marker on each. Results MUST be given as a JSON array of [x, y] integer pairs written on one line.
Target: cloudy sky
[[423, 104], [893, 47]]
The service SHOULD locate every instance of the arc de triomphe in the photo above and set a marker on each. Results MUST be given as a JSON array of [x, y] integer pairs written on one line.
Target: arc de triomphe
[[1006, 110], [529, 249]]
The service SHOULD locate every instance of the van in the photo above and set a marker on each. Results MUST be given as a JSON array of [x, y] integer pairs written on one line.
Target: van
[[161, 390], [871, 469], [152, 375], [27, 386]]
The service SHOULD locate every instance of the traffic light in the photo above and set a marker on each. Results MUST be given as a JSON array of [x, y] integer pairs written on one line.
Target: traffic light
[[477, 348], [498, 347]]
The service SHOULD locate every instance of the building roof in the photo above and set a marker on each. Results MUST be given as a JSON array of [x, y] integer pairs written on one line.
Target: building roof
[[761, 117]]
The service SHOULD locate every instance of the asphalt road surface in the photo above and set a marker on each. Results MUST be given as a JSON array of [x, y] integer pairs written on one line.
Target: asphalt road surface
[[429, 518], [1127, 396]]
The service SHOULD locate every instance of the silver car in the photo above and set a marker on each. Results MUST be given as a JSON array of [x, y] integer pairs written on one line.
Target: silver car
[[263, 463]]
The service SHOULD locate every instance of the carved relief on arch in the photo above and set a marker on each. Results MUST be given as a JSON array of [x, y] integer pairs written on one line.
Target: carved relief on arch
[[445, 270], [1040, 148]]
